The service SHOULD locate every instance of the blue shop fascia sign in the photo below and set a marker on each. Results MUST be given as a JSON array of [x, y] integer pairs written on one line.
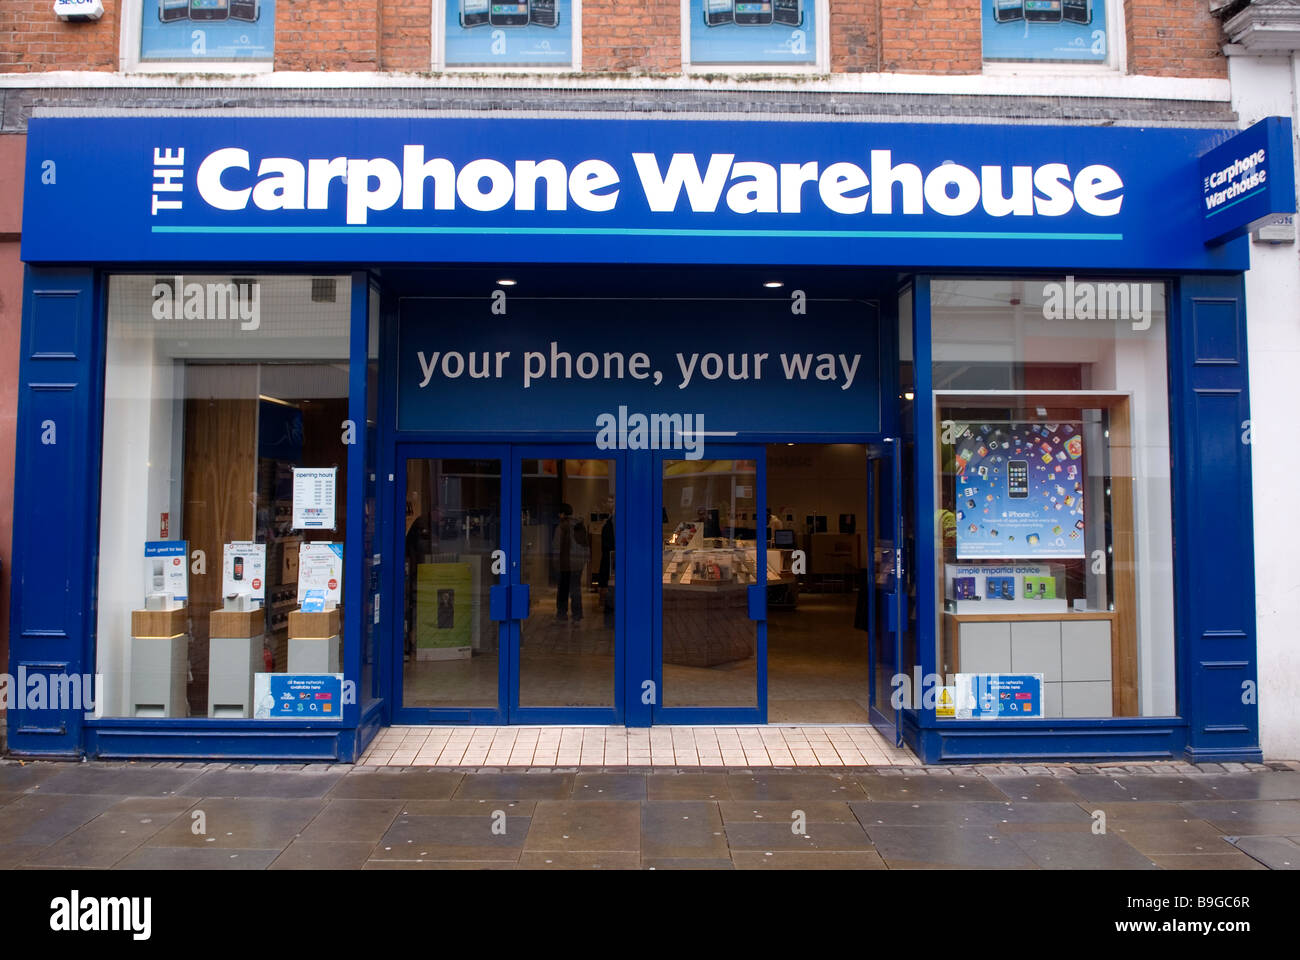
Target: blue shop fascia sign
[[375, 190], [1249, 181]]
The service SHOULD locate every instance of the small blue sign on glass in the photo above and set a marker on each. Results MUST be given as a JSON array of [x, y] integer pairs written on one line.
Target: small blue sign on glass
[[1248, 181], [999, 696], [298, 696]]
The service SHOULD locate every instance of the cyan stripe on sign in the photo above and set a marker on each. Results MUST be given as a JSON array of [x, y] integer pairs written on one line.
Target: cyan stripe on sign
[[638, 232]]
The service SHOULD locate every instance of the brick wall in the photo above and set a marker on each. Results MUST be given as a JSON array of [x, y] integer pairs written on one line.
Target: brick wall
[[641, 39], [33, 38], [327, 35], [1174, 38]]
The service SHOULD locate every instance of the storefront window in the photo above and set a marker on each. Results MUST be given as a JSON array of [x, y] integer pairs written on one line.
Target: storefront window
[[1053, 535], [207, 30], [1070, 31], [489, 33], [766, 32], [224, 495]]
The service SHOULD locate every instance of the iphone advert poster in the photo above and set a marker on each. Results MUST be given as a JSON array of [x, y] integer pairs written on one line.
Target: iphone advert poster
[[1019, 490], [753, 31], [208, 30], [1044, 30], [492, 33]]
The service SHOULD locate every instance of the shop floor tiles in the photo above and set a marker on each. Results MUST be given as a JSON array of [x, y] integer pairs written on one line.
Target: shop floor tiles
[[751, 746], [641, 816]]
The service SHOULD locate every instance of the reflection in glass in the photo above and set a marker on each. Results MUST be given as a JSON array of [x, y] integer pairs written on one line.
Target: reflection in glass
[[567, 643], [711, 521], [453, 524]]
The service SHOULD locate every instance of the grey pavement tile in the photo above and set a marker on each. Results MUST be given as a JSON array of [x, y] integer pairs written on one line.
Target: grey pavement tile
[[93, 779], [1277, 853], [20, 777], [1036, 789], [1077, 849], [687, 863], [180, 858], [901, 813], [572, 826], [9, 797], [516, 786], [808, 860], [563, 860], [1254, 786], [353, 820], [440, 865], [917, 787], [794, 786], [1136, 811], [103, 841], [1101, 787], [413, 784], [1232, 817], [13, 855], [310, 855], [451, 838], [271, 783], [672, 787], [783, 811], [239, 823], [468, 808], [1169, 837], [44, 818], [936, 846], [781, 836], [687, 829], [1207, 861], [609, 786]]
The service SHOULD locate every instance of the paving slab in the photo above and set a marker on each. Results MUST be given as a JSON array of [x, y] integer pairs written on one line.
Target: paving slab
[[401, 784], [574, 826], [920, 787], [687, 829], [244, 823], [1277, 853]]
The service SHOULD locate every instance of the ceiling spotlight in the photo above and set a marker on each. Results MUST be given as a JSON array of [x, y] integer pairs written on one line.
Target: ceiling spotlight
[[506, 283], [908, 395], [774, 284]]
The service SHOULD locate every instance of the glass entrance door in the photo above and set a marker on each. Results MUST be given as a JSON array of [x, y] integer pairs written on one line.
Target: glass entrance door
[[710, 602], [887, 606], [568, 661]]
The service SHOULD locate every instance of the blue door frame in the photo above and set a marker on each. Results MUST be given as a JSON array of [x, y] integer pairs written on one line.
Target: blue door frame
[[887, 607], [757, 604]]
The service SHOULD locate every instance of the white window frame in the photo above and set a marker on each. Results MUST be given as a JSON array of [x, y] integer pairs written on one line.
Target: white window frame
[[438, 47], [129, 52], [821, 46], [1115, 62]]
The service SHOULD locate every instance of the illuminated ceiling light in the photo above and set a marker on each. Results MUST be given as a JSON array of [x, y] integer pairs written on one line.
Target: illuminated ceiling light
[[908, 395], [774, 284], [506, 282]]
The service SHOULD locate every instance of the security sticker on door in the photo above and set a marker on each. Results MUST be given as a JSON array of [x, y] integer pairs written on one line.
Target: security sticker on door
[[999, 696], [320, 568]]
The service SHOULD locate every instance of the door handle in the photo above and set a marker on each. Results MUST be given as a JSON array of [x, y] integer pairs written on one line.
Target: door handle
[[758, 601], [520, 601], [499, 601]]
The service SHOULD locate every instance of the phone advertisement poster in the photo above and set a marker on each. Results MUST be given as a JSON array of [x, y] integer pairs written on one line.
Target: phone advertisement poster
[[207, 30], [753, 31], [1019, 489], [243, 569], [165, 569], [493, 33], [1045, 30]]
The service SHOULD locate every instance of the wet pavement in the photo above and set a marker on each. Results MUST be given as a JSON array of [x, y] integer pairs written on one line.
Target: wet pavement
[[1044, 816]]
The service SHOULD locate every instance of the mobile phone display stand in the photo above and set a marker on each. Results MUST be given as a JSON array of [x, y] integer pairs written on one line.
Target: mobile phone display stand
[[314, 642], [234, 655], [160, 662]]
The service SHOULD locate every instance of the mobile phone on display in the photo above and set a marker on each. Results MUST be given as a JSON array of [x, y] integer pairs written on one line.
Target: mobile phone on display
[[1004, 11], [209, 9], [473, 13], [1043, 11], [508, 14], [171, 10], [754, 12], [239, 568], [246, 10], [788, 12], [544, 13], [717, 12], [1076, 11], [1018, 479]]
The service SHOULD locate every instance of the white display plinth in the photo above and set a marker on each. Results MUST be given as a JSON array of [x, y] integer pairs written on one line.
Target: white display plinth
[[232, 661], [315, 654], [159, 671]]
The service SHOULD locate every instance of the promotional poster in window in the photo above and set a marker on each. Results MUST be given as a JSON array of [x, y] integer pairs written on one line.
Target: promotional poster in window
[[501, 33], [1018, 490], [1045, 30], [753, 31], [207, 30]]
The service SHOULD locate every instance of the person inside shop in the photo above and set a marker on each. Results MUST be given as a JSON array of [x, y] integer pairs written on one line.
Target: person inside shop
[[606, 567], [419, 545], [569, 548]]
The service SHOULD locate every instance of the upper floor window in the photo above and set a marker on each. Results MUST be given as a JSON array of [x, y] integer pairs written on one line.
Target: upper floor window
[[224, 31], [508, 33], [1052, 31], [767, 33]]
